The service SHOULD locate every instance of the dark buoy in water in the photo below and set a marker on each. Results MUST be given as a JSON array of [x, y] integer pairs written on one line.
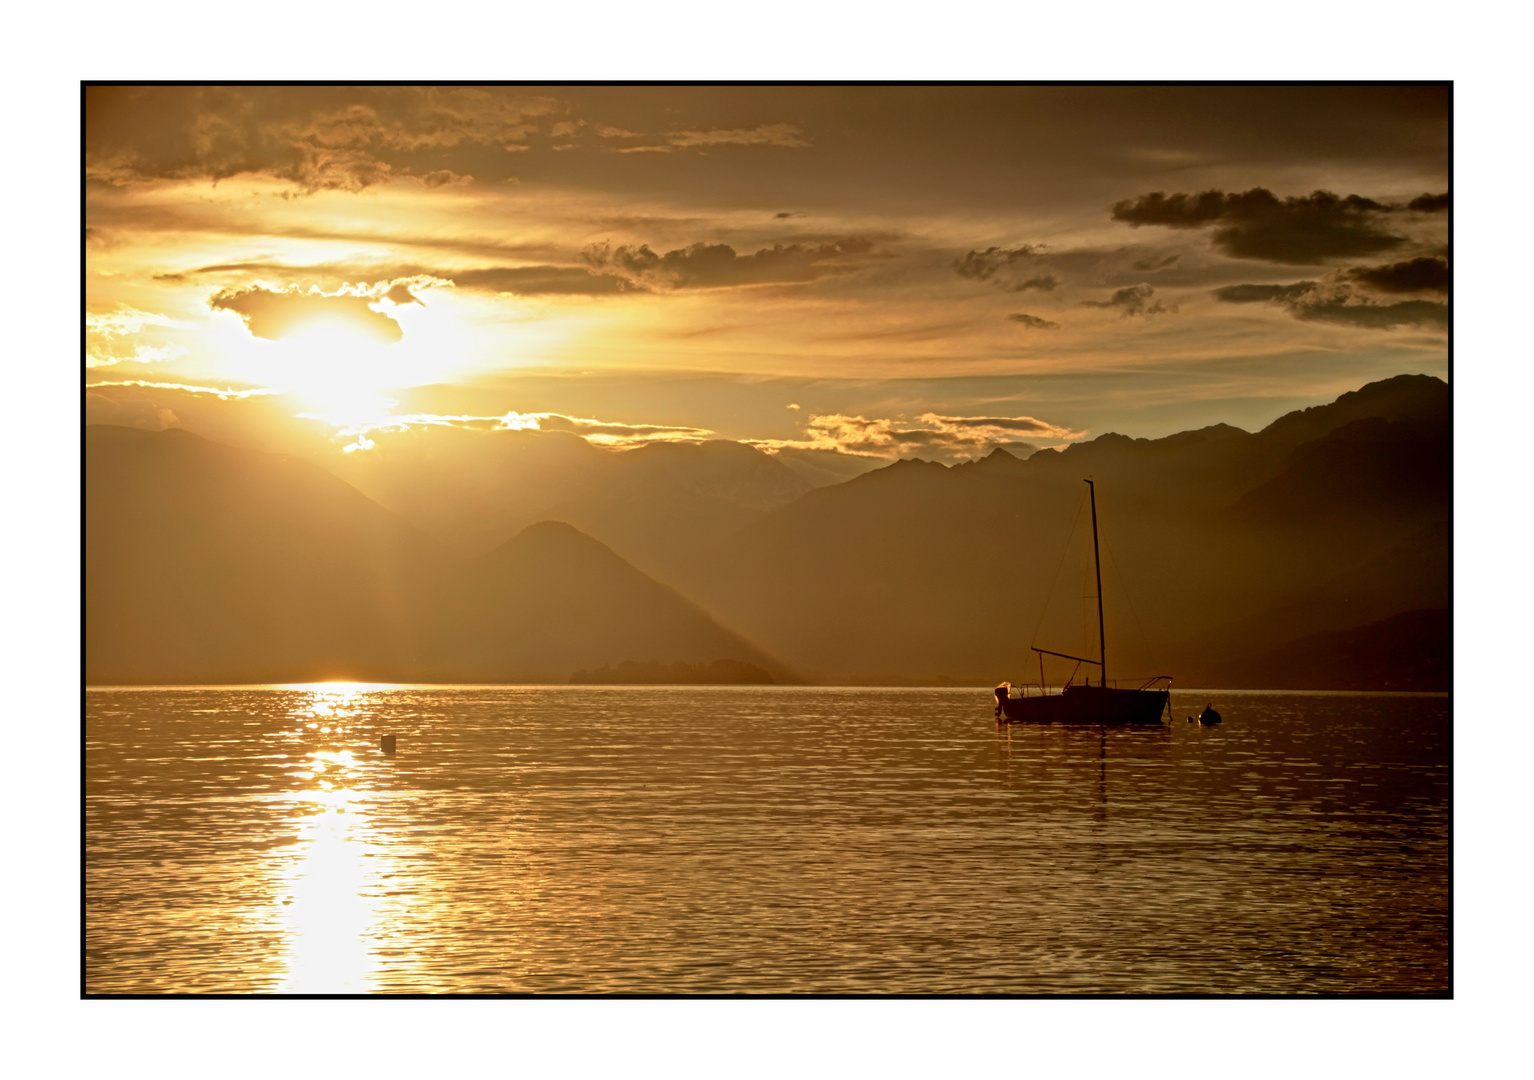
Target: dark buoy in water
[[386, 744], [1208, 716]]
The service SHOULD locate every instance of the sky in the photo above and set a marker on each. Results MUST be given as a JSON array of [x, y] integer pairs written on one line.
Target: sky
[[891, 271]]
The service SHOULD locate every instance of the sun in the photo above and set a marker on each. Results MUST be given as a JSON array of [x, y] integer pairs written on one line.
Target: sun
[[348, 364], [337, 372]]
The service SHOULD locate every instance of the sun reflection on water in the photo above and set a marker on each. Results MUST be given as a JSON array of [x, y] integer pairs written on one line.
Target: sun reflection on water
[[328, 888]]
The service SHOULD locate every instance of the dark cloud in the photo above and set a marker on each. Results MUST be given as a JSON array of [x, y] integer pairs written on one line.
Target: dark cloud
[[1033, 322], [1417, 275], [1372, 316], [717, 265], [1431, 204], [1133, 300], [1155, 263], [1252, 294], [317, 137], [542, 280], [984, 265], [787, 214], [1044, 283], [441, 177], [397, 280], [1337, 301], [1257, 224], [1009, 269], [276, 314]]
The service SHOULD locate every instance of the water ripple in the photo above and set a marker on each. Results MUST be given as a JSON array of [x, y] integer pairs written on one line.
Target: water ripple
[[748, 840]]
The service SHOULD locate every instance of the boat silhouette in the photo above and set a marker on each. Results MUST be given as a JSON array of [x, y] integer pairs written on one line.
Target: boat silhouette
[[1083, 702]]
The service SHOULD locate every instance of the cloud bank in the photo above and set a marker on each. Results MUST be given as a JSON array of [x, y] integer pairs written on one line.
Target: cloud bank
[[1256, 224], [1352, 297]]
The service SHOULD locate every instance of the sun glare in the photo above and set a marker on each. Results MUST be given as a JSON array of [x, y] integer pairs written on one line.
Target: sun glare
[[338, 368]]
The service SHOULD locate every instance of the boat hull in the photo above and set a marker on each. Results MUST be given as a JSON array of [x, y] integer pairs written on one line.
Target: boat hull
[[1085, 705]]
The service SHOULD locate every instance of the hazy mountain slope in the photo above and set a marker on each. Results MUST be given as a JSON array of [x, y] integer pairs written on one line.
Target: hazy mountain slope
[[659, 505], [1412, 574], [1404, 652], [663, 505], [552, 600], [920, 571], [206, 563]]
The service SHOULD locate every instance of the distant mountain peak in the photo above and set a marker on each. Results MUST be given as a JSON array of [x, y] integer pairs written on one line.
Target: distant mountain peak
[[1409, 398]]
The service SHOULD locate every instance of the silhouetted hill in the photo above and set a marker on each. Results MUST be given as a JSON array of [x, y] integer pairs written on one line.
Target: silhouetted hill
[[920, 570], [206, 563]]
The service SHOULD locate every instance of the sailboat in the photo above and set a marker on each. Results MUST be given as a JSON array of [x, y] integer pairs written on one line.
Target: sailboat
[[1083, 702]]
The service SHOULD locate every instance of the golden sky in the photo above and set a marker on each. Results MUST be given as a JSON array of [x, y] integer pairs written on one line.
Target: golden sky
[[928, 270]]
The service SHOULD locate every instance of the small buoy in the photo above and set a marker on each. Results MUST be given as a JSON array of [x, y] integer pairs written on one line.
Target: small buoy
[[386, 744]]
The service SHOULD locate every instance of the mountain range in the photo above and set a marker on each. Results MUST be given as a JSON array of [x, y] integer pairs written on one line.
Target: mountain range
[[1229, 557], [210, 564]]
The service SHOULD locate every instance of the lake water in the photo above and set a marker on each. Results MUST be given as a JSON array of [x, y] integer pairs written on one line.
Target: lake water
[[677, 840]]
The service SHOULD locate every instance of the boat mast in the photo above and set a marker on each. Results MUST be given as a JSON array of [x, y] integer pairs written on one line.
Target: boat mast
[[1102, 642]]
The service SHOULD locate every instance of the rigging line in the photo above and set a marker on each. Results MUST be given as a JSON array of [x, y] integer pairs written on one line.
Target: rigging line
[[1044, 609], [1124, 592]]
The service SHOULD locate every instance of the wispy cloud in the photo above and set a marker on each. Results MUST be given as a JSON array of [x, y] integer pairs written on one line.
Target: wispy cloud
[[98, 356], [1009, 269], [126, 320], [763, 135], [1134, 300], [605, 433], [226, 394], [108, 337]]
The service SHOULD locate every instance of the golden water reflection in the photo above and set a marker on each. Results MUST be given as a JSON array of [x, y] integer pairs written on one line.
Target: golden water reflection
[[327, 888]]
